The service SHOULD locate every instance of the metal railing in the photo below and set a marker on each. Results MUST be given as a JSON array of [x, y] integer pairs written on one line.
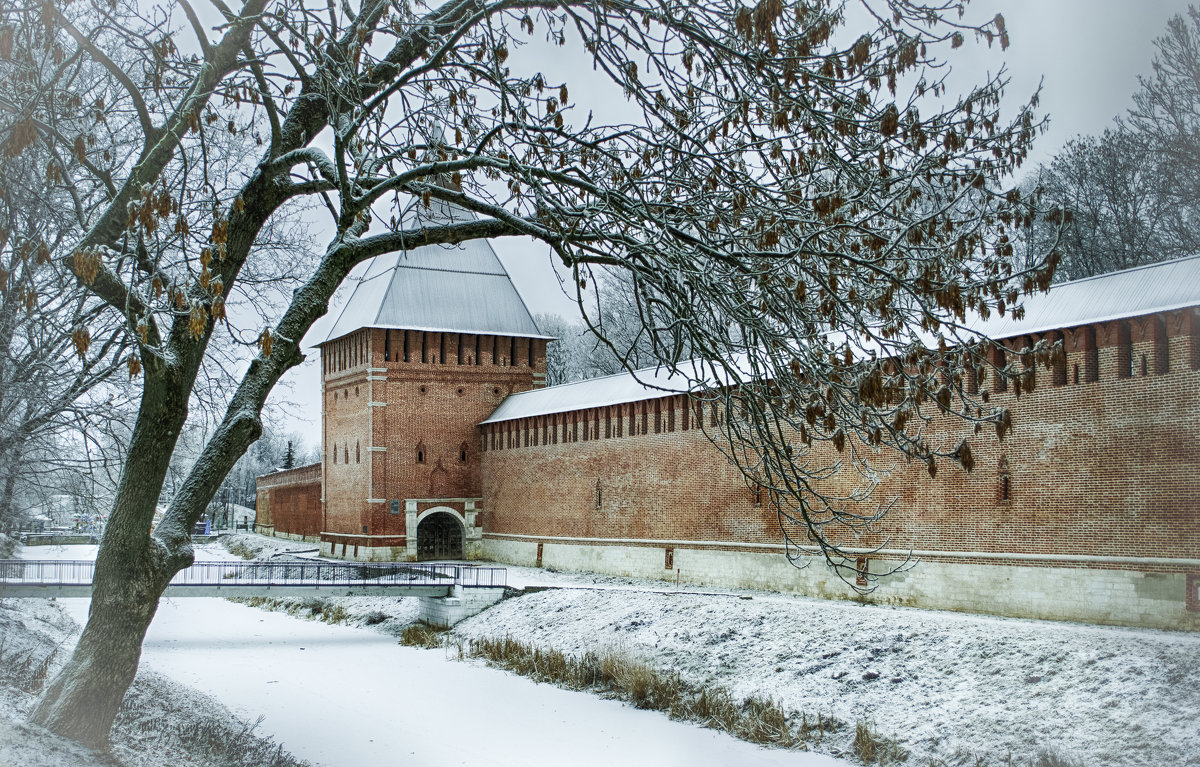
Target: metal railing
[[15, 572]]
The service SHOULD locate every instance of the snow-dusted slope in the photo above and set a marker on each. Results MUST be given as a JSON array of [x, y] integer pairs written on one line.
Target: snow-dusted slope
[[948, 685]]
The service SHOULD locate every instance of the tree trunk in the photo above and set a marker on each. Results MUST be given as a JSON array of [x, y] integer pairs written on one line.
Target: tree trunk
[[132, 569], [9, 470], [85, 697]]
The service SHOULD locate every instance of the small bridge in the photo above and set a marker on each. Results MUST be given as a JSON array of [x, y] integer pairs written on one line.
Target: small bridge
[[54, 578]]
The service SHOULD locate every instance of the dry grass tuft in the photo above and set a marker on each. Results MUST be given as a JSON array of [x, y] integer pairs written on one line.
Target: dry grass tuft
[[872, 748], [757, 720], [1051, 758], [421, 635], [241, 549], [313, 609], [25, 670]]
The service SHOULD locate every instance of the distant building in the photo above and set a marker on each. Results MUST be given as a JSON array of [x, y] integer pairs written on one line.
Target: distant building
[[440, 441]]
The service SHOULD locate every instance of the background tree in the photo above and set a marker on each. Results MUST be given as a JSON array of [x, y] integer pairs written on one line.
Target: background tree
[[809, 208], [1124, 210], [616, 331], [53, 412], [1166, 114], [1134, 192]]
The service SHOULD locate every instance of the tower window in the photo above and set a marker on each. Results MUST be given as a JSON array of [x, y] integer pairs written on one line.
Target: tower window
[[357, 452], [421, 453], [462, 453], [1003, 482], [387, 345]]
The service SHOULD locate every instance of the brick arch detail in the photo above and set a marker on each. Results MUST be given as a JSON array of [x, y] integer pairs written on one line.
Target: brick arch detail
[[440, 509]]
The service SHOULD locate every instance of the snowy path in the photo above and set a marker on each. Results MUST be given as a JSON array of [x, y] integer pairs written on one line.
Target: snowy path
[[345, 696]]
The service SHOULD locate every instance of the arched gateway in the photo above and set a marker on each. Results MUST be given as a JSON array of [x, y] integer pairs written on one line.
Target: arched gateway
[[439, 536]]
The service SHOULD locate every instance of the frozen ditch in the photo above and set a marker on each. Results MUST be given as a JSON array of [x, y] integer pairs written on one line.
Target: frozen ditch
[[345, 696], [336, 695]]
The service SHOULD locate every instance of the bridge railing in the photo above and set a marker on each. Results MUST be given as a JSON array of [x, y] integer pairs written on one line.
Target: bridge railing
[[282, 574]]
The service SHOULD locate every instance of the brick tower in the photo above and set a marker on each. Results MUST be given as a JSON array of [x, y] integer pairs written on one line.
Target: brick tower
[[429, 343]]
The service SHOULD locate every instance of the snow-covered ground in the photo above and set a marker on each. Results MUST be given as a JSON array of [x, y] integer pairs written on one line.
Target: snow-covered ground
[[948, 685], [161, 722], [952, 687], [337, 695]]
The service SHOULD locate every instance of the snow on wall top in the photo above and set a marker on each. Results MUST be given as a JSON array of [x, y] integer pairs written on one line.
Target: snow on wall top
[[648, 383], [1132, 292], [456, 288], [1160, 287]]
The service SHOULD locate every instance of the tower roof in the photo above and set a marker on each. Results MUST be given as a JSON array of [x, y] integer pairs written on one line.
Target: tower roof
[[456, 288]]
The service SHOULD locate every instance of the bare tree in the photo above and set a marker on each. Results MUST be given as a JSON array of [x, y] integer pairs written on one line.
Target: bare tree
[[1124, 210], [568, 355], [1133, 193], [618, 330], [812, 210], [1166, 112], [51, 409]]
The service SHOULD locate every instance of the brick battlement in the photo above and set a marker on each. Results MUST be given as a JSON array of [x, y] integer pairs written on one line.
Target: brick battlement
[[297, 476], [1101, 467]]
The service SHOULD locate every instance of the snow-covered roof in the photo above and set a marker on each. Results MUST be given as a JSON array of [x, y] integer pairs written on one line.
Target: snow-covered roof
[[649, 383], [456, 288], [1160, 287], [1133, 292]]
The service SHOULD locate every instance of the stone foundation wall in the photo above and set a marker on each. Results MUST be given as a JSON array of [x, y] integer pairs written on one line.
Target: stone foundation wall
[[445, 612], [1067, 591]]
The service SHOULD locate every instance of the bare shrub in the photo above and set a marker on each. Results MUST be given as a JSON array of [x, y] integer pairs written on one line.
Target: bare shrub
[[208, 739]]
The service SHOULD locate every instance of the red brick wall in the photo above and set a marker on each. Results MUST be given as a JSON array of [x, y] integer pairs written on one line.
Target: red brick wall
[[1105, 468], [290, 501]]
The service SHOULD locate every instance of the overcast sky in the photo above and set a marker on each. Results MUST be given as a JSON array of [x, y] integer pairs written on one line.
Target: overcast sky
[[1087, 54]]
